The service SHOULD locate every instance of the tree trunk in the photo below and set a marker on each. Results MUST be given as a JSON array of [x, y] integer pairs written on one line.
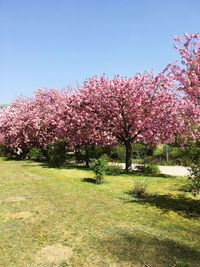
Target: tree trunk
[[87, 163], [128, 156], [77, 156]]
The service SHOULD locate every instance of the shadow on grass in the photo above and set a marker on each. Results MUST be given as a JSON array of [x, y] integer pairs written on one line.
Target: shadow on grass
[[47, 165], [186, 188], [186, 207], [139, 248], [12, 158], [139, 173], [89, 180], [69, 165]]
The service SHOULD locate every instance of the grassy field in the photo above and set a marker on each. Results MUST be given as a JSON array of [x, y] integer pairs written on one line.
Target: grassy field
[[59, 217]]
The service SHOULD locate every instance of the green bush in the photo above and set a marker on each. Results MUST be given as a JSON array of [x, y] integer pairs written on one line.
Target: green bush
[[35, 154], [114, 170], [140, 168], [152, 169], [140, 150], [191, 154], [1, 150], [158, 152], [148, 169], [117, 153], [195, 178], [7, 152], [139, 188], [57, 153], [89, 152], [99, 167]]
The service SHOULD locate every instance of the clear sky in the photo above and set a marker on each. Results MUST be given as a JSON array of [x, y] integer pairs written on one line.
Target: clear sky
[[55, 43]]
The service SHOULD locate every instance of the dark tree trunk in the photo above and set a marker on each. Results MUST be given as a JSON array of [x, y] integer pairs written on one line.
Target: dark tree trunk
[[87, 158], [128, 156], [77, 156]]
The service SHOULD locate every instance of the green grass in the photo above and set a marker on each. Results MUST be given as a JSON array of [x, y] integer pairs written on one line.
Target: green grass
[[103, 225]]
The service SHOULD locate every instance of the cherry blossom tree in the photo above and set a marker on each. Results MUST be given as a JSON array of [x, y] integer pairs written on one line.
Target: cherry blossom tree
[[128, 109], [83, 129], [187, 76], [187, 73], [34, 121]]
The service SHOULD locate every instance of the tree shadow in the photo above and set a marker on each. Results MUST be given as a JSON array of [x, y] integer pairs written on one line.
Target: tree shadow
[[47, 165], [186, 188], [89, 180], [186, 207], [160, 175], [139, 248], [69, 165]]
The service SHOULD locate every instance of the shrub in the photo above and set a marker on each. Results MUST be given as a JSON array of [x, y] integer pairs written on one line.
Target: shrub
[[114, 170], [35, 154], [195, 178], [148, 169], [57, 153], [140, 168], [90, 152], [139, 188], [1, 150], [7, 152], [99, 167], [140, 150], [117, 153], [152, 169]]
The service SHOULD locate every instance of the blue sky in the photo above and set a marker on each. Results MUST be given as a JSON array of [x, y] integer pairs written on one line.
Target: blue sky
[[55, 43]]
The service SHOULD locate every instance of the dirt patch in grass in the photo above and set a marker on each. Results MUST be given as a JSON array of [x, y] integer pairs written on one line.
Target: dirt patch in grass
[[53, 254], [19, 215], [14, 199]]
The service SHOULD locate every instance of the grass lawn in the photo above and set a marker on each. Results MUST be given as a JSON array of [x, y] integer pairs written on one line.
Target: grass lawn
[[53, 217]]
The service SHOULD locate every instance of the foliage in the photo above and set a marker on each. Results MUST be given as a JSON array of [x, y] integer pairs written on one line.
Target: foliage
[[35, 154], [139, 188], [188, 72], [176, 155], [191, 159], [92, 152], [57, 153], [36, 121], [195, 178], [152, 169], [1, 150], [117, 153], [148, 169], [7, 152], [138, 108], [63, 263], [145, 108], [140, 150], [140, 168], [114, 170], [99, 167]]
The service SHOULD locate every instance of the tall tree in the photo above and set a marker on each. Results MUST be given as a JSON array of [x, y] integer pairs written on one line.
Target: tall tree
[[187, 73], [128, 109]]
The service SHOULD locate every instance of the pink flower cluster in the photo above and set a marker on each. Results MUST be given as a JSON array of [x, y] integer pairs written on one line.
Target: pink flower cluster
[[188, 72]]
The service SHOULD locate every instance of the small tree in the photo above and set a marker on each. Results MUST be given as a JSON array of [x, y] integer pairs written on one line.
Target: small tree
[[99, 167]]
